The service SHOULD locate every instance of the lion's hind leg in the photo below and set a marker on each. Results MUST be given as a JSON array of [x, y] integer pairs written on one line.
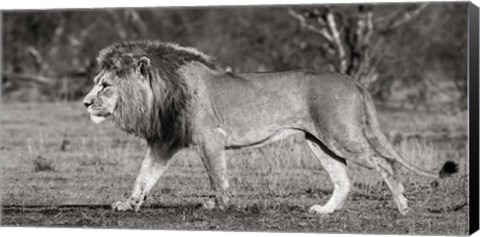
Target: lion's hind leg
[[386, 170], [337, 170]]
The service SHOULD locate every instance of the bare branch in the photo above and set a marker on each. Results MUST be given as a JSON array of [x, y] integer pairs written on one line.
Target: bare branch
[[338, 42], [382, 20], [369, 25], [303, 22], [321, 21], [406, 18], [32, 51]]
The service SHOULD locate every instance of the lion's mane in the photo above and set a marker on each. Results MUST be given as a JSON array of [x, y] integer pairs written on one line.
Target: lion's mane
[[167, 116]]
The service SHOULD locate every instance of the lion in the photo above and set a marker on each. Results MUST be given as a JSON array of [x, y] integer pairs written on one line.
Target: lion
[[177, 98]]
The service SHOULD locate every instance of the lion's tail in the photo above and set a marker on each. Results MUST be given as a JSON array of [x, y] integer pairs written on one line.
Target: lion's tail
[[380, 143]]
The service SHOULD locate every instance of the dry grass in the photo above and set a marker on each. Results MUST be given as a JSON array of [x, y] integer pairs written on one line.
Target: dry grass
[[271, 187]]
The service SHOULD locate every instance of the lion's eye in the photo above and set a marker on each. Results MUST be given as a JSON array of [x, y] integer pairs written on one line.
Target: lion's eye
[[105, 85]]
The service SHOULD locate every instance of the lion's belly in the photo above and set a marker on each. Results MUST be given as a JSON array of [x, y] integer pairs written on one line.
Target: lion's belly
[[257, 137]]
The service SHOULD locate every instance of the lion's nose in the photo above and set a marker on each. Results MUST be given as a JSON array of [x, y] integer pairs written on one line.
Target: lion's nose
[[87, 102]]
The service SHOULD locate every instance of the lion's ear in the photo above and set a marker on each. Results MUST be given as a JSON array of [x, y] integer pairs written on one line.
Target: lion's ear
[[143, 64]]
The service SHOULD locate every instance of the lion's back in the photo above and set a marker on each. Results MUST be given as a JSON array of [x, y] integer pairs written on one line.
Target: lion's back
[[257, 98]]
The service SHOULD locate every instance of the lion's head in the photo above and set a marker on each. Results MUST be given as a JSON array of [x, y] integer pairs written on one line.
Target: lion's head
[[140, 89], [121, 90]]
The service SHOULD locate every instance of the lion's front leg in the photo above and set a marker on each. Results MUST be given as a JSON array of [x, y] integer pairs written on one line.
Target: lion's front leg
[[153, 165]]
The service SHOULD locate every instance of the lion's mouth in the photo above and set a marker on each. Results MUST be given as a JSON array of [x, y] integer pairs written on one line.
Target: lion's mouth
[[98, 116], [97, 119]]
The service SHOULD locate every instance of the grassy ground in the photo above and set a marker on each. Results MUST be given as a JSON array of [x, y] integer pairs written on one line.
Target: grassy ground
[[51, 154]]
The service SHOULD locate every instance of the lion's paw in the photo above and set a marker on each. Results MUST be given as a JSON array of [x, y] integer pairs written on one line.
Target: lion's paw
[[122, 206], [402, 205], [317, 209], [404, 210]]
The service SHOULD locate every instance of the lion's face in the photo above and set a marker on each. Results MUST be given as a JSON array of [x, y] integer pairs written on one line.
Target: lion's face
[[102, 100], [122, 92]]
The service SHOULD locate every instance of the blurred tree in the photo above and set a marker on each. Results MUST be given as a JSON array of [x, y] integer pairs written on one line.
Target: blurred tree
[[436, 43], [393, 42], [51, 54], [352, 35]]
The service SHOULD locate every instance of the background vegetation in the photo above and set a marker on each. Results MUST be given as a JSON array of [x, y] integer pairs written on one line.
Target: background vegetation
[[410, 55]]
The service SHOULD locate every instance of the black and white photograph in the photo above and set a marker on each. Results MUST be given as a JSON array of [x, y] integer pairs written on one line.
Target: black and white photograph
[[349, 118]]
